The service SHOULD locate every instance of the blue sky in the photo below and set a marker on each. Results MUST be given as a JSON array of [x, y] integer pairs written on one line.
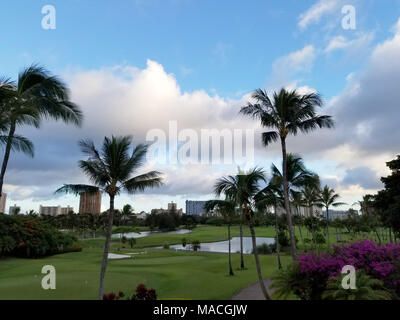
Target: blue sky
[[225, 49]]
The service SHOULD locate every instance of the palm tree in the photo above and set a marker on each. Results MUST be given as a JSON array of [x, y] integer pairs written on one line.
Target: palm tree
[[287, 113], [17, 142], [110, 170], [227, 209], [242, 189], [327, 198], [35, 96]]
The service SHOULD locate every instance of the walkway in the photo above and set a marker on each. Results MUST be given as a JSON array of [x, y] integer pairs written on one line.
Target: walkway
[[253, 291]]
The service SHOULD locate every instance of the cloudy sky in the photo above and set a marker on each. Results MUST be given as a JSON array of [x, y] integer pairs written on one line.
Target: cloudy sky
[[135, 65]]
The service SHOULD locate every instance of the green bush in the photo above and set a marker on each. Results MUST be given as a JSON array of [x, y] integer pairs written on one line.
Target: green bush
[[265, 248], [30, 237]]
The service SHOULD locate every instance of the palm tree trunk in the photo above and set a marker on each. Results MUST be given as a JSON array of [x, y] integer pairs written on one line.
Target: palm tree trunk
[[278, 246], [6, 156], [253, 240], [229, 245], [327, 228], [286, 197], [106, 247], [241, 243]]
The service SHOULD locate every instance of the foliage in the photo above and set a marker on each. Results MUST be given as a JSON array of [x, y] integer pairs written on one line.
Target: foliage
[[196, 245], [265, 248], [310, 275], [142, 293], [29, 237], [367, 288]]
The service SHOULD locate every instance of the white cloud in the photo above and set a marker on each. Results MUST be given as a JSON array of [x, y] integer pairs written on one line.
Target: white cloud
[[355, 45], [316, 12], [285, 68]]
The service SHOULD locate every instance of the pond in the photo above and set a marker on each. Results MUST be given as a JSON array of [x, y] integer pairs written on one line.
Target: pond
[[149, 233], [223, 247]]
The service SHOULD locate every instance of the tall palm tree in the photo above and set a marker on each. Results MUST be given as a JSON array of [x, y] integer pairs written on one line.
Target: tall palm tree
[[35, 96], [241, 189], [287, 113], [327, 198], [111, 170], [17, 142], [227, 209]]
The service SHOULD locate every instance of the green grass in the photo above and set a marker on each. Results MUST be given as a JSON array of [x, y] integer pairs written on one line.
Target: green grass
[[174, 275]]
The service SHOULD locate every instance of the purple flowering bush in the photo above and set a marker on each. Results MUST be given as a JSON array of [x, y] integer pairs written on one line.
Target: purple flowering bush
[[310, 274]]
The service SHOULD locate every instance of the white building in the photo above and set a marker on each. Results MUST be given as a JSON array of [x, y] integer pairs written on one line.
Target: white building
[[303, 211], [54, 211], [142, 215]]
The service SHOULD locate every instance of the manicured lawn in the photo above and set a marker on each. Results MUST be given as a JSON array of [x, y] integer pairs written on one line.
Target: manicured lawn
[[174, 275]]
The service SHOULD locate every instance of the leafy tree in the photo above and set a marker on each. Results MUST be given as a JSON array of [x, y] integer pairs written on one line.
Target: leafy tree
[[387, 201], [287, 113], [111, 170]]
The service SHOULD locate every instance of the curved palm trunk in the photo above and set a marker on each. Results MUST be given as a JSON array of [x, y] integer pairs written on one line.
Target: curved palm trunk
[[229, 245], [286, 197], [241, 243], [106, 248], [258, 266], [278, 246], [6, 156], [327, 228]]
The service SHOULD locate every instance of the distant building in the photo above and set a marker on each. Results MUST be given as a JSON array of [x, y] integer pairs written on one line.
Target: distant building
[[54, 211], [195, 208], [142, 215], [337, 214], [90, 202], [172, 207], [3, 200], [14, 210], [302, 211]]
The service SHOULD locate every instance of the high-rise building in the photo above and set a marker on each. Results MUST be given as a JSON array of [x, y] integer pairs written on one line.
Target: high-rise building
[[172, 206], [196, 208], [90, 202], [14, 209], [54, 211], [3, 200]]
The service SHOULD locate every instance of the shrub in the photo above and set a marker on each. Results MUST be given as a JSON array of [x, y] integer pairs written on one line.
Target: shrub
[[264, 249], [26, 236], [113, 296], [132, 242], [166, 246], [283, 238], [142, 293], [368, 288], [184, 242], [311, 273], [196, 245]]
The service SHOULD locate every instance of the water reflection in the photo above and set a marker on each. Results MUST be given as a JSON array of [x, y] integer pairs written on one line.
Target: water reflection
[[222, 246]]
